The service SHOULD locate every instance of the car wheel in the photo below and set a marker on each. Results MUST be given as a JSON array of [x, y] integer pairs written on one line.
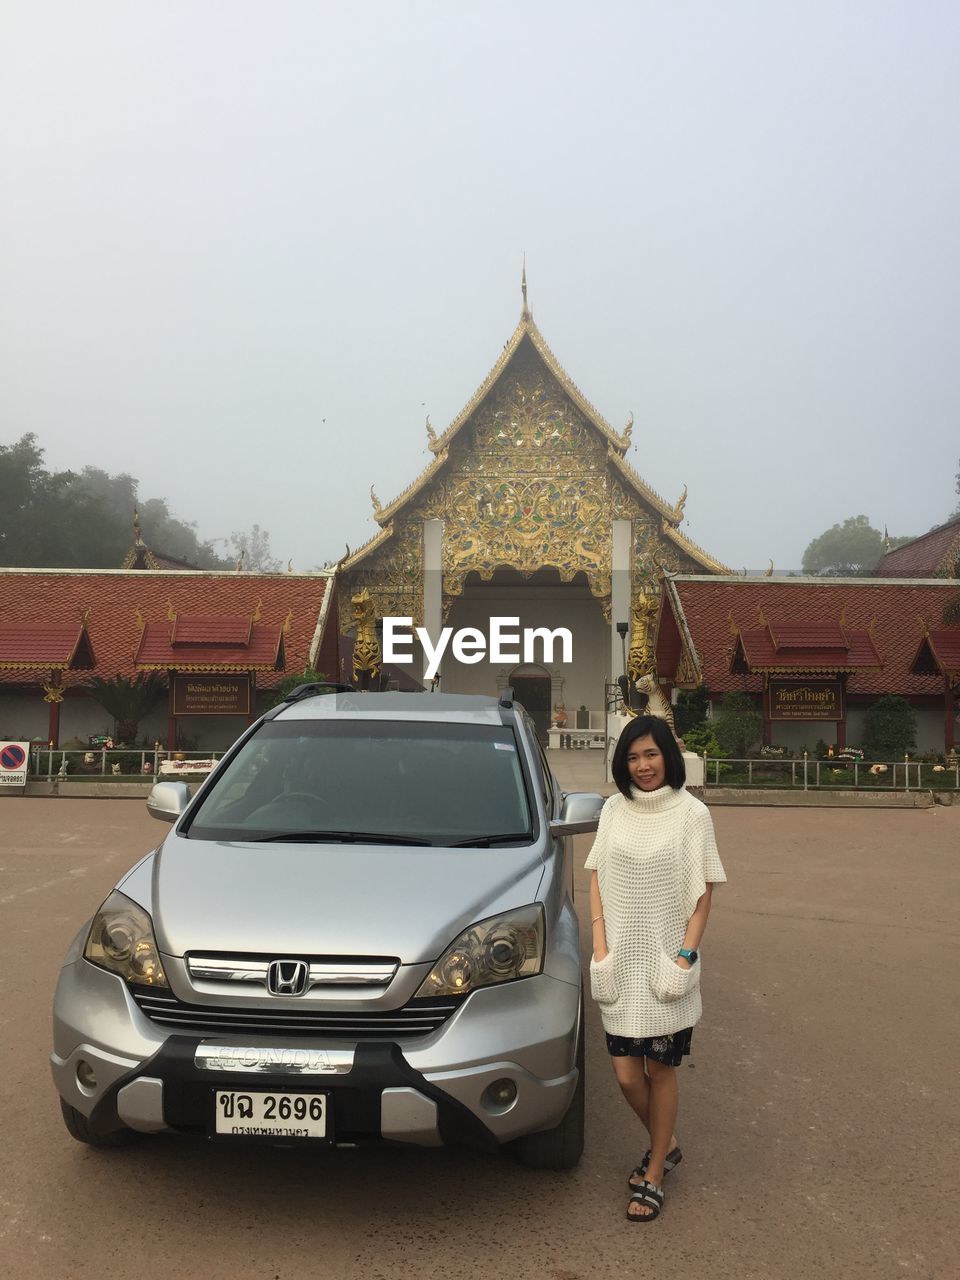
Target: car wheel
[[562, 1146], [79, 1127]]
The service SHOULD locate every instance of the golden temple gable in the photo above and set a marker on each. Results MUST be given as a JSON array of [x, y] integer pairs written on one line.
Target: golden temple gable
[[526, 484]]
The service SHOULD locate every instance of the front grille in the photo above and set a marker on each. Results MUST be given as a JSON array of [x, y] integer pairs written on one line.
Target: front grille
[[415, 1019]]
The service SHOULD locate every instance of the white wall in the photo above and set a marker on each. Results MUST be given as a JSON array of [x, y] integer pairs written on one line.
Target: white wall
[[582, 679]]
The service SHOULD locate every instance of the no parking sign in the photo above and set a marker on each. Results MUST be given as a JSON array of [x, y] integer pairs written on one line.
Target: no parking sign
[[13, 763]]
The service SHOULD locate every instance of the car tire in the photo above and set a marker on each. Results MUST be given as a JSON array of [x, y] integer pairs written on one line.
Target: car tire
[[562, 1146], [79, 1127]]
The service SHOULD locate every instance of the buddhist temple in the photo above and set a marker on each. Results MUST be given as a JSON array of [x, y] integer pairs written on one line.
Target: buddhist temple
[[529, 510]]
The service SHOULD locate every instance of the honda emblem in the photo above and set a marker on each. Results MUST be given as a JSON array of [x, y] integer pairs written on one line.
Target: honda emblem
[[287, 977]]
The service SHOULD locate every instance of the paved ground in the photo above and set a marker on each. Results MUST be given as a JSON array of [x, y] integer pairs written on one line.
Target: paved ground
[[819, 1113]]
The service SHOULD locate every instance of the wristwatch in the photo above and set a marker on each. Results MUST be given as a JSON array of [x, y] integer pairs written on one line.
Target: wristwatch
[[692, 956]]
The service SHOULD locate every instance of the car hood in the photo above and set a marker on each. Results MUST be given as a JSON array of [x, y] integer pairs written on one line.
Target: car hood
[[331, 899]]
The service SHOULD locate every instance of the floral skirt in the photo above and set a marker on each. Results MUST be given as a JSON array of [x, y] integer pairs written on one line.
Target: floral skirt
[[669, 1050]]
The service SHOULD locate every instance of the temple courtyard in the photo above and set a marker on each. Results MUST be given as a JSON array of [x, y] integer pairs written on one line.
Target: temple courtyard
[[819, 1111]]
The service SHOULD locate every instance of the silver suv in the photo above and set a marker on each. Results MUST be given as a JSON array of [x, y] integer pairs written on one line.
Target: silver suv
[[360, 929]]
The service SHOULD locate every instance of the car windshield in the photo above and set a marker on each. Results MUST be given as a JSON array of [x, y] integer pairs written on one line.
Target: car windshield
[[405, 782]]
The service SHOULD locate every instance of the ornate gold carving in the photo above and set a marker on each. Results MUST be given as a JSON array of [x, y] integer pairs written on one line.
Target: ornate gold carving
[[687, 673], [366, 650], [377, 504], [432, 442], [641, 659], [52, 692], [258, 611], [681, 503], [171, 612]]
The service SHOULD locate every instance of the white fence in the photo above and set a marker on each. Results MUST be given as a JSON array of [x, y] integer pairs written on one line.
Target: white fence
[[112, 762], [832, 773]]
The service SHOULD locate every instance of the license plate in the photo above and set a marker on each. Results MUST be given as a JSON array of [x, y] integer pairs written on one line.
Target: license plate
[[245, 1114]]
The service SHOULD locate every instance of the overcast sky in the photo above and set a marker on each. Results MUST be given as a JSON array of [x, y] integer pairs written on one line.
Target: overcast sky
[[246, 247]]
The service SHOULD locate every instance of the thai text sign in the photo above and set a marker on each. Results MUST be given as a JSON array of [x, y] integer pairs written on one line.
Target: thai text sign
[[211, 695], [806, 700]]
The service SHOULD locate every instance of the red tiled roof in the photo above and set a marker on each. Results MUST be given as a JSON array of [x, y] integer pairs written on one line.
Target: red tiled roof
[[159, 651], [45, 645], [114, 598], [932, 553], [189, 629], [807, 635], [804, 646], [939, 652], [717, 609]]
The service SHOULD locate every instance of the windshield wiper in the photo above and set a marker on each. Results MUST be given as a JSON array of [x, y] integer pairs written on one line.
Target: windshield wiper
[[338, 837], [486, 842]]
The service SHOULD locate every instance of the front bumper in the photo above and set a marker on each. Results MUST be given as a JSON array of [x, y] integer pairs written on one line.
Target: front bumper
[[429, 1091]]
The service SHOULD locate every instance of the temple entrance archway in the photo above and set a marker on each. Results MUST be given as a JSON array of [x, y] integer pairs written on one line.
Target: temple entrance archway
[[536, 600]]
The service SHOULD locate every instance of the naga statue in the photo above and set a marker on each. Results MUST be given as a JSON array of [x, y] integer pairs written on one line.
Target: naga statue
[[641, 671], [366, 649]]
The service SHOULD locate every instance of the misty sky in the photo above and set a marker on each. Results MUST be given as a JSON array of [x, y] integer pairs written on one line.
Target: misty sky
[[245, 248]]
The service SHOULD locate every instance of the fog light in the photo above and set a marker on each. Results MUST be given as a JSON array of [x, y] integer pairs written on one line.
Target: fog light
[[86, 1076], [499, 1096]]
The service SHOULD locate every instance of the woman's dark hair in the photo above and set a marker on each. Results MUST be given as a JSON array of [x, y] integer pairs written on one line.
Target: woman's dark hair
[[675, 771]]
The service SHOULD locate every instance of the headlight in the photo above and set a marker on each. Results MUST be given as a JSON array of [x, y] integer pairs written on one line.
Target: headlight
[[121, 940], [495, 950]]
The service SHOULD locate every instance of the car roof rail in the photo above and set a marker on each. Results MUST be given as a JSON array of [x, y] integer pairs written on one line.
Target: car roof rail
[[316, 687], [506, 697]]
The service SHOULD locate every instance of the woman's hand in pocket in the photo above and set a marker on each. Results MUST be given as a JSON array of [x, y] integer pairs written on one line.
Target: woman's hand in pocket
[[600, 954]]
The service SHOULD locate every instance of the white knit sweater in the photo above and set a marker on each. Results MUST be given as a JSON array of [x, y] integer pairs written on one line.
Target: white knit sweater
[[654, 856]]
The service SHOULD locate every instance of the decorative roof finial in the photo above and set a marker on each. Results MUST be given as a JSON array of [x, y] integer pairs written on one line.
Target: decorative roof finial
[[681, 503], [431, 436], [525, 310], [377, 504], [137, 531]]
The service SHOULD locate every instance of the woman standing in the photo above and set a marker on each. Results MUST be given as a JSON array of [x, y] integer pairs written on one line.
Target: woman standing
[[654, 865]]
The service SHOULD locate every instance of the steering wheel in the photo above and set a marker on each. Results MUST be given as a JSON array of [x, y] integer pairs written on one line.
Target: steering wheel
[[309, 796]]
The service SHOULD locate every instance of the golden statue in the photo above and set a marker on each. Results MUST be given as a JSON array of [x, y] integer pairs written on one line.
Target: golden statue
[[366, 649]]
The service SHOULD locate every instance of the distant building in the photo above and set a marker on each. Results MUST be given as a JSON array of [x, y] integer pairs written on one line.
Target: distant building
[[221, 642], [933, 555], [529, 509], [816, 652]]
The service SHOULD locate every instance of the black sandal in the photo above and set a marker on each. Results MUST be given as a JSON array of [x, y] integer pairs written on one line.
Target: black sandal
[[671, 1161], [650, 1196]]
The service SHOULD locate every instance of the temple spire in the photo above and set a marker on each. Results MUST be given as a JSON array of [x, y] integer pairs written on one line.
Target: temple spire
[[525, 310]]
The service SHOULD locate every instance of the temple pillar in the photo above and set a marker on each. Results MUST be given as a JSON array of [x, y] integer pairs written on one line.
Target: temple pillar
[[767, 736], [54, 697], [949, 715], [621, 536], [432, 583], [171, 718]]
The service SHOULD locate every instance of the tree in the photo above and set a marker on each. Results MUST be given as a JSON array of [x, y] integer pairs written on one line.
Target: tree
[[849, 550], [691, 709], [889, 728], [738, 724], [290, 682], [128, 701], [845, 550], [82, 520], [253, 551]]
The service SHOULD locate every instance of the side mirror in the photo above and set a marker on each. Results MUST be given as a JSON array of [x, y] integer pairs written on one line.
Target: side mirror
[[168, 800], [579, 813]]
